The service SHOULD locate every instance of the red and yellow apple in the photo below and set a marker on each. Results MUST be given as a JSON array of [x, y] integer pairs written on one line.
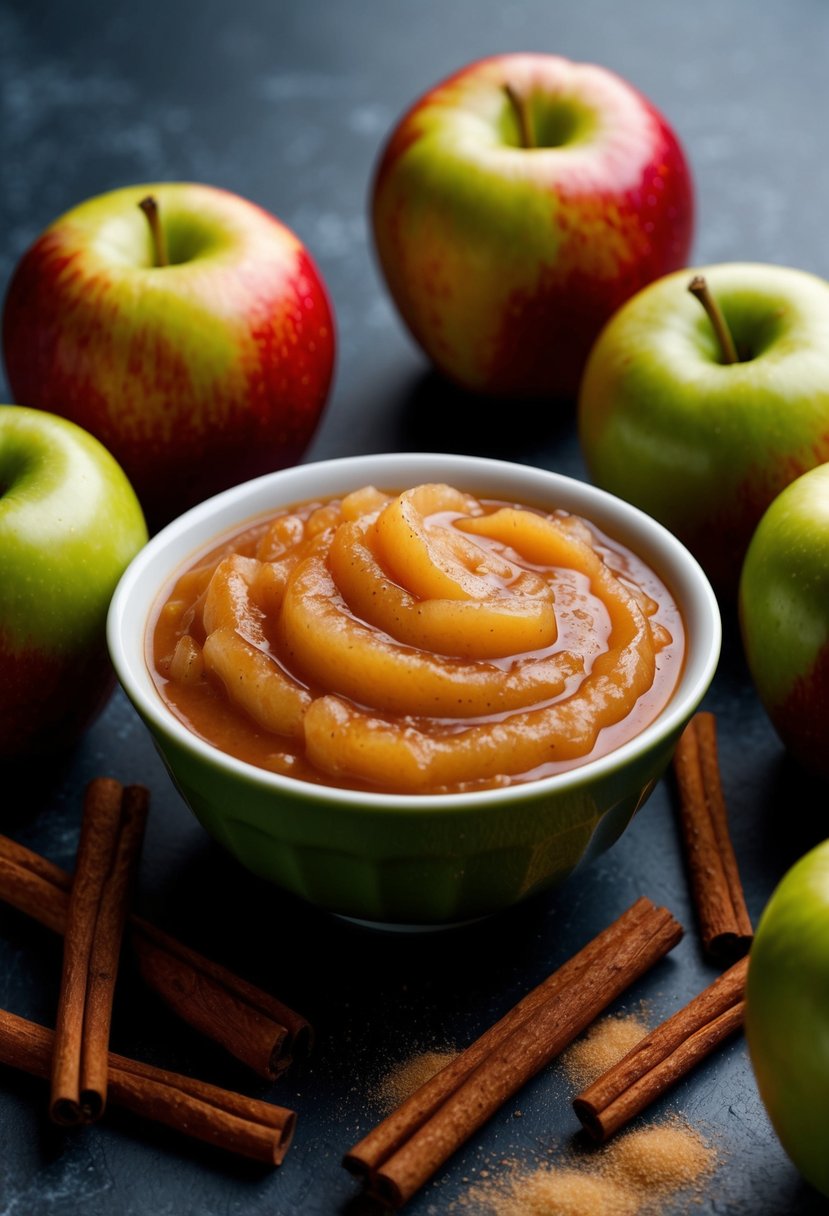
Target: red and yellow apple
[[69, 525], [784, 616], [200, 352], [701, 444], [516, 206]]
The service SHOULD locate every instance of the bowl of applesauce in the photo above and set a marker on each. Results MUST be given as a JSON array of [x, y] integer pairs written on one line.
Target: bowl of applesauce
[[413, 688]]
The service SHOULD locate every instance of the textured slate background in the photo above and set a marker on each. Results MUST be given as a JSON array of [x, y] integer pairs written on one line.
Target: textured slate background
[[287, 104]]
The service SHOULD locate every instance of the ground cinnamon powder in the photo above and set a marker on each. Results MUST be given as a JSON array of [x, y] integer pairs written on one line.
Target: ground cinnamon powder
[[603, 1046], [632, 1176], [666, 1157], [401, 1081], [557, 1192]]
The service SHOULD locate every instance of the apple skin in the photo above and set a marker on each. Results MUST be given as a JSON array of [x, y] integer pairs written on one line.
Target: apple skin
[[787, 1013], [784, 616], [70, 524], [701, 445], [504, 261], [196, 375]]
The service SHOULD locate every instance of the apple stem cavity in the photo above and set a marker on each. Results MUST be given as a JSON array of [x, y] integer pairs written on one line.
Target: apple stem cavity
[[150, 208], [699, 287], [522, 116]]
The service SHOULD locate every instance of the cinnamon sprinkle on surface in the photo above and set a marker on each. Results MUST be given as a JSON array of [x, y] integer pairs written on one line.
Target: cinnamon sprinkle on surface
[[604, 1045], [554, 1192], [666, 1157], [401, 1081], [635, 1175]]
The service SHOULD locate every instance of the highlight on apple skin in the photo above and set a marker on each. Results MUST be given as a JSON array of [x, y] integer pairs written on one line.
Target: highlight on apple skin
[[514, 208], [70, 524], [197, 345], [784, 616]]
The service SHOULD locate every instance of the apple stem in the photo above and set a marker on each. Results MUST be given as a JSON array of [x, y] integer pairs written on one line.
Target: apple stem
[[698, 287], [150, 208], [522, 116]]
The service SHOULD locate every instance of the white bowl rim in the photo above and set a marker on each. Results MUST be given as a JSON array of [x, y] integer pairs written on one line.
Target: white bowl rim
[[192, 533]]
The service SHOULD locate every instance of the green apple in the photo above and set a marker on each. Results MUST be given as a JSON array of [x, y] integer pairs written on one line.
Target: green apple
[[70, 523], [198, 346], [701, 444], [515, 206], [784, 616], [787, 1013]]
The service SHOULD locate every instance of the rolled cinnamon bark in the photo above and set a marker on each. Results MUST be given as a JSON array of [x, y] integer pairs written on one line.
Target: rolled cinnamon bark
[[663, 1056], [724, 923], [225, 1119], [252, 1025], [398, 1156], [112, 831]]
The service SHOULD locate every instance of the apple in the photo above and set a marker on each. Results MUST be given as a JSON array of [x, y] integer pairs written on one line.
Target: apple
[[701, 444], [516, 206], [787, 1013], [70, 524], [196, 341], [784, 616]]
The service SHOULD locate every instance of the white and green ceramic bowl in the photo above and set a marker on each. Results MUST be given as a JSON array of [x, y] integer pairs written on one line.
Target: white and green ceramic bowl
[[397, 858]]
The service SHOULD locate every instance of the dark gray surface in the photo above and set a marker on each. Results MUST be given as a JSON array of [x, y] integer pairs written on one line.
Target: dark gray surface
[[287, 104]]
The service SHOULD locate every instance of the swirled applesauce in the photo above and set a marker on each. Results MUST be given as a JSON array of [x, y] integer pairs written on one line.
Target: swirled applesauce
[[419, 642]]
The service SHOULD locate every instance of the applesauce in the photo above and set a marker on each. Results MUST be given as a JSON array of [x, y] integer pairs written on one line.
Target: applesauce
[[419, 642]]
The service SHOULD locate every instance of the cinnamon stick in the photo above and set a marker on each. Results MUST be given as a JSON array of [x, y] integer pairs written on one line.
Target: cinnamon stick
[[30, 891], [399, 1155], [724, 923], [664, 1055], [384, 1139], [224, 1119], [252, 1025], [112, 831]]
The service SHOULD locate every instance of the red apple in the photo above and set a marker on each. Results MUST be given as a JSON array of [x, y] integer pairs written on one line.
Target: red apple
[[516, 206], [198, 347], [69, 525]]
